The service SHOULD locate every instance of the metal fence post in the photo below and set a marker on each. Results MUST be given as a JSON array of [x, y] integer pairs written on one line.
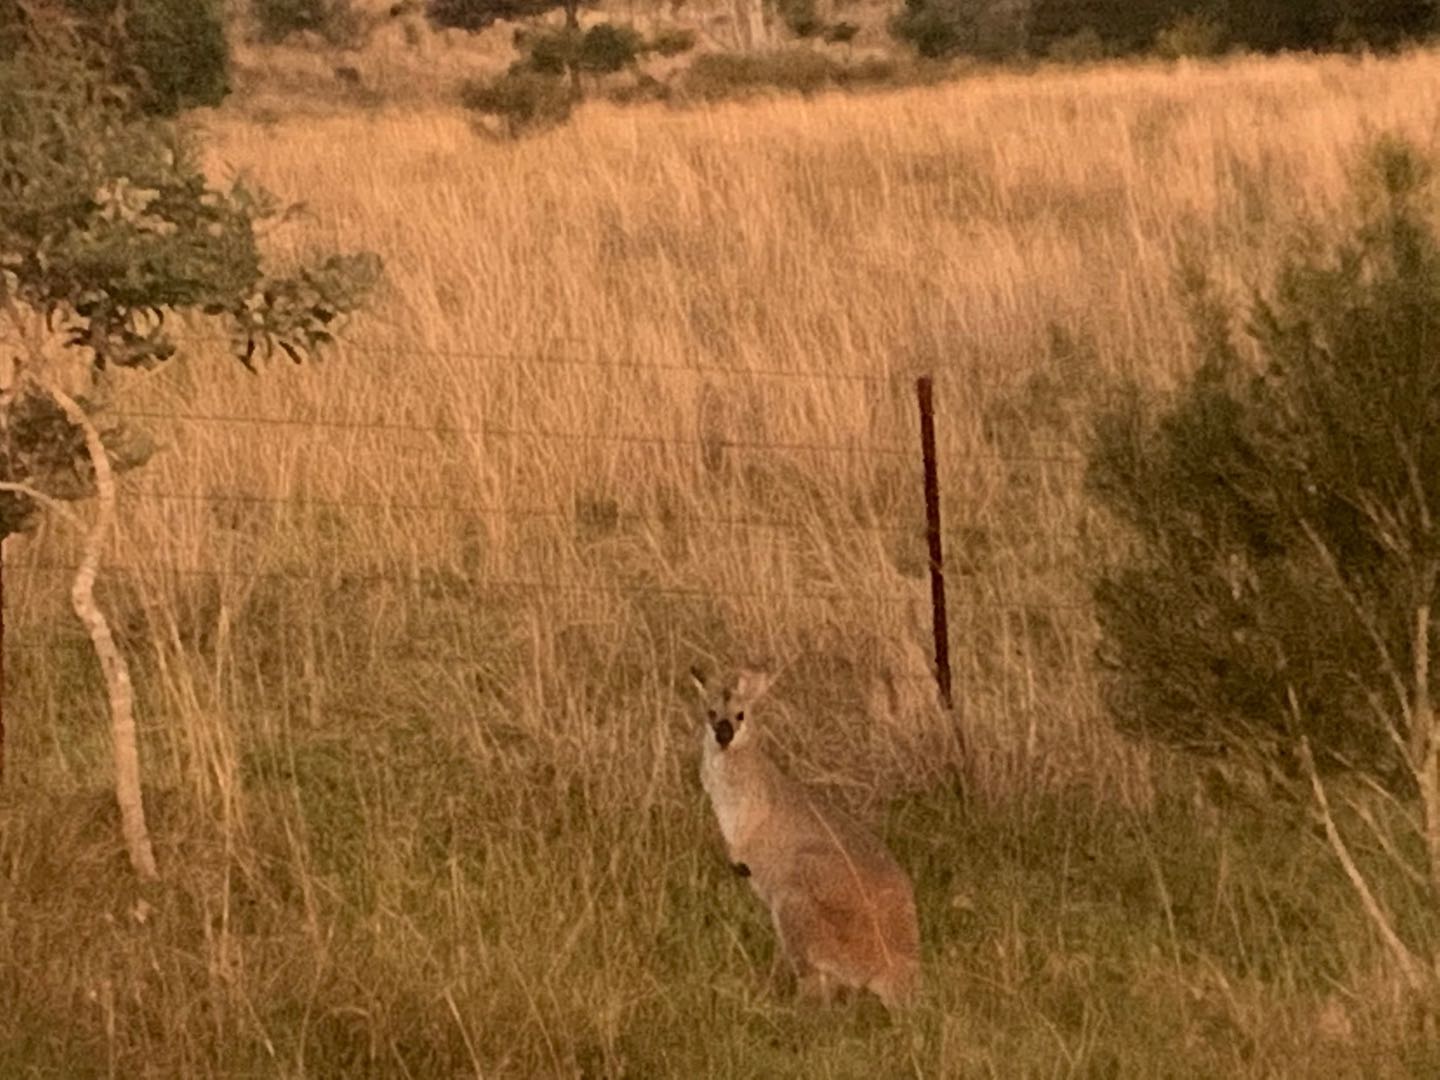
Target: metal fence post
[[925, 392]]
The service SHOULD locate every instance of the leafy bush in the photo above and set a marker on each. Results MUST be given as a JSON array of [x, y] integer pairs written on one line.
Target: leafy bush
[[801, 17], [525, 101], [1284, 561], [336, 21], [1191, 35], [108, 223], [607, 48], [1082, 47], [671, 41], [164, 55], [938, 29], [171, 53], [603, 49], [548, 52]]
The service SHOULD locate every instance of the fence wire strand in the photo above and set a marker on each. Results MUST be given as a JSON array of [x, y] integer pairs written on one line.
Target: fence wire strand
[[578, 514]]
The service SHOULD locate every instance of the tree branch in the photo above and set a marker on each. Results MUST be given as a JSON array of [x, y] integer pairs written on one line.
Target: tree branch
[[54, 505], [1413, 971]]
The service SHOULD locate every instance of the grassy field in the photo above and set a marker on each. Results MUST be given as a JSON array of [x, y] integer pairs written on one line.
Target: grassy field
[[410, 626]]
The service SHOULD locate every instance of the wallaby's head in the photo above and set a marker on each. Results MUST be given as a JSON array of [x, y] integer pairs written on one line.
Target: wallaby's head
[[725, 704]]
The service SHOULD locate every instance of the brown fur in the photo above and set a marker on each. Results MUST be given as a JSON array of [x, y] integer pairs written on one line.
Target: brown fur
[[843, 909]]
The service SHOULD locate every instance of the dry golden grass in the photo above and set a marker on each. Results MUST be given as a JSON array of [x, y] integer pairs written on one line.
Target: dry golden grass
[[407, 636], [954, 229]]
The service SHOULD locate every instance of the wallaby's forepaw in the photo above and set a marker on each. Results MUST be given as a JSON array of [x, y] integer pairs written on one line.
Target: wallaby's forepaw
[[740, 868]]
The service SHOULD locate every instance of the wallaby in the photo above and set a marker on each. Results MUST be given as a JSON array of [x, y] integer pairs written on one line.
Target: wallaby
[[843, 909]]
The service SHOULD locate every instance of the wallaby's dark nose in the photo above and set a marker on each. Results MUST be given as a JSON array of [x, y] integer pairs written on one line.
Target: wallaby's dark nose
[[724, 732]]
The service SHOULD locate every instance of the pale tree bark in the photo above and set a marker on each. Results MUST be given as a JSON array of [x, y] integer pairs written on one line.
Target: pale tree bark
[[750, 26], [1425, 742], [119, 689], [1415, 973], [118, 686]]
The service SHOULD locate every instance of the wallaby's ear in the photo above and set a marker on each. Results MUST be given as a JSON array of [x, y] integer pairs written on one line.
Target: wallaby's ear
[[698, 678], [750, 685]]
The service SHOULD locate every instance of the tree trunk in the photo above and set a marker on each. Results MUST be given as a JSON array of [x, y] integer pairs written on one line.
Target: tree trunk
[[759, 30], [118, 687], [2, 658]]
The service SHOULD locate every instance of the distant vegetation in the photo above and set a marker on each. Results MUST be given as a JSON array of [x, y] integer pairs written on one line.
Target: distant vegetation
[[405, 628], [336, 22], [997, 29], [479, 14], [167, 54]]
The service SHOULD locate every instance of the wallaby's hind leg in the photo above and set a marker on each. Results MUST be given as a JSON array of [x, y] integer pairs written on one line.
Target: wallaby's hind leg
[[789, 935], [798, 921]]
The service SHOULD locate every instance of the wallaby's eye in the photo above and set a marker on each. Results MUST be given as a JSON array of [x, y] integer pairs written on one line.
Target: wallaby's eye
[[710, 715], [739, 717]]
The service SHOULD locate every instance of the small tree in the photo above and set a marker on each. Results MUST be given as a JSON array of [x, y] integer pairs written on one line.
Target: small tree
[[542, 88], [524, 101], [1278, 598], [108, 229]]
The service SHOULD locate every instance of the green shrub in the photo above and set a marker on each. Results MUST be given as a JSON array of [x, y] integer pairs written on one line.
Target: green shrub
[[1191, 35], [1283, 563], [549, 52], [108, 231], [525, 101], [1082, 47], [336, 21], [938, 29], [801, 17], [607, 47], [603, 49], [170, 54], [671, 41]]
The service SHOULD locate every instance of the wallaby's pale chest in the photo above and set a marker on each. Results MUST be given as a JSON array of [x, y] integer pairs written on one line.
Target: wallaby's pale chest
[[738, 806]]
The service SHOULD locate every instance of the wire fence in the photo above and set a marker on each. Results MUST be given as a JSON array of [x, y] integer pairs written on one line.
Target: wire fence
[[608, 514], [498, 431]]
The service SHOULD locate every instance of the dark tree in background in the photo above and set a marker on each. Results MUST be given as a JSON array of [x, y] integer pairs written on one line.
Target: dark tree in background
[[1128, 26], [475, 15], [986, 29], [171, 54], [1123, 26]]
